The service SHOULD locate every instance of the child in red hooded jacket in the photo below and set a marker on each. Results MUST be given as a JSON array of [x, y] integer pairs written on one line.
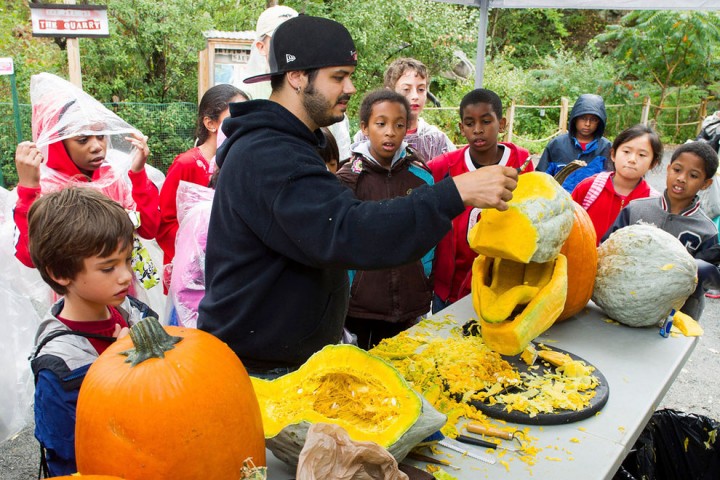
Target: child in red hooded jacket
[[71, 136]]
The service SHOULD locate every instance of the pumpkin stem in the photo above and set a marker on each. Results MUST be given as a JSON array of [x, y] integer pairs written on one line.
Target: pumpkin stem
[[150, 340]]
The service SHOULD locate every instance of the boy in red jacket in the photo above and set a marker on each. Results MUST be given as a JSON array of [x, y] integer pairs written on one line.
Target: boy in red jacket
[[481, 122]]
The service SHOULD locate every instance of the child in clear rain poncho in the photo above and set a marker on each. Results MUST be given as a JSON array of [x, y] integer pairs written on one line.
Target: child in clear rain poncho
[[187, 283], [72, 134]]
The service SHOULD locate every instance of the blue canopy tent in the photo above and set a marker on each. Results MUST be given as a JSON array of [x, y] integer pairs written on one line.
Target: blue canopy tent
[[485, 6]]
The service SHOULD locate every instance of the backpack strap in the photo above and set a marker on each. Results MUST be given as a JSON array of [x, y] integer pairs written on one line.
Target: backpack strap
[[44, 471], [61, 333], [594, 191]]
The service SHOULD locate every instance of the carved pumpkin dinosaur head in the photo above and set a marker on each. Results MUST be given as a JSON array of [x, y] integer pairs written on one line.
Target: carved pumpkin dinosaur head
[[520, 281]]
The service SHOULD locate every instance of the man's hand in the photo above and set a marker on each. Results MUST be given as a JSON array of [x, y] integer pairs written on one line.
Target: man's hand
[[27, 162], [487, 187]]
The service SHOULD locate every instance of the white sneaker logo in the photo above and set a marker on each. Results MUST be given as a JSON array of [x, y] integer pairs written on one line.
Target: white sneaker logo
[[289, 58]]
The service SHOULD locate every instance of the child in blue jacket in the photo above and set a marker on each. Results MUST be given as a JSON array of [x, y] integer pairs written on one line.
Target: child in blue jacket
[[81, 243], [583, 141]]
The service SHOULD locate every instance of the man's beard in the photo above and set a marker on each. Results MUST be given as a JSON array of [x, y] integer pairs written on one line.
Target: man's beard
[[319, 108]]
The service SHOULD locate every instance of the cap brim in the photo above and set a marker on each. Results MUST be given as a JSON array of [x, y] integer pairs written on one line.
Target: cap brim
[[265, 77]]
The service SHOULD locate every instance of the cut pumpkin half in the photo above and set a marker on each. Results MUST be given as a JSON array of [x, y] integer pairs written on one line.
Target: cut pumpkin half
[[516, 302]]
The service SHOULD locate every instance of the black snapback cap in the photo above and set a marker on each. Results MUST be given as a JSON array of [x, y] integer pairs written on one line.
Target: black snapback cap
[[306, 42]]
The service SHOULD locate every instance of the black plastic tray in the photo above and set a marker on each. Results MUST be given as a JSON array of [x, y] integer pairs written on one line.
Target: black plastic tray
[[558, 417]]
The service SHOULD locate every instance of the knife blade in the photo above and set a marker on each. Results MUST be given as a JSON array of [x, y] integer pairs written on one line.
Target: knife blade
[[427, 459], [483, 443], [476, 456]]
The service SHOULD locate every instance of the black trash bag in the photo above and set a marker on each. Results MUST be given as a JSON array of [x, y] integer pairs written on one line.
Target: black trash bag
[[674, 446]]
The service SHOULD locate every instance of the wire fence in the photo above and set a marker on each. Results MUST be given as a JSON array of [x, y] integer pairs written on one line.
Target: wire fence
[[533, 126], [171, 126]]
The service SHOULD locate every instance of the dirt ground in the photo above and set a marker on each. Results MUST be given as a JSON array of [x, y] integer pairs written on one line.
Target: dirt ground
[[696, 390]]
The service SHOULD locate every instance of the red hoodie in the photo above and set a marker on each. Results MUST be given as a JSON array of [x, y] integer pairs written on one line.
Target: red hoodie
[[453, 256], [192, 167], [605, 208], [143, 196]]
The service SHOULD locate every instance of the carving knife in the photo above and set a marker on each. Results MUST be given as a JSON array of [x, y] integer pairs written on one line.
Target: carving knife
[[483, 443], [476, 456], [524, 165]]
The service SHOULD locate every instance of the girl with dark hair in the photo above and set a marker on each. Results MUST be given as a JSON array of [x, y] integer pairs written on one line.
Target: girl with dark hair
[[635, 151], [384, 302], [194, 165]]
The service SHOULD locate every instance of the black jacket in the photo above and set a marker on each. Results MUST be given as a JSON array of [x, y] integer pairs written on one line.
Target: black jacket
[[403, 292], [283, 231]]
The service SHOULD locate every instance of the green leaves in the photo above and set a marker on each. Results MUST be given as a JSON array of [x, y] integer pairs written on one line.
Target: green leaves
[[666, 48], [151, 53]]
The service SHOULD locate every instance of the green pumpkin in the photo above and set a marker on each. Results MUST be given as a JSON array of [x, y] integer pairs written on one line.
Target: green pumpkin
[[519, 279], [344, 385], [643, 273]]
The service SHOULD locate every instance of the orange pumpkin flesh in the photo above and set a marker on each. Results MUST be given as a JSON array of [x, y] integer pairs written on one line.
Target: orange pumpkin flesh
[[191, 413], [582, 258]]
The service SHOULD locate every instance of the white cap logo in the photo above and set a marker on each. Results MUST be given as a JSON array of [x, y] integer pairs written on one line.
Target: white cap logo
[[289, 58]]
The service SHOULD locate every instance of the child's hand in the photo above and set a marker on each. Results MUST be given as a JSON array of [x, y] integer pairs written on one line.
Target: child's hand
[[142, 151], [27, 162], [120, 331]]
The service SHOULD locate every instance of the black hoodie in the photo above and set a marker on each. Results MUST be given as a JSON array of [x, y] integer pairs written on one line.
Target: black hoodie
[[283, 231]]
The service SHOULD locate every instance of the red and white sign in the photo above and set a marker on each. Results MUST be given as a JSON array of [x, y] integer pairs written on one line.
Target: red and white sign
[[59, 20], [6, 66]]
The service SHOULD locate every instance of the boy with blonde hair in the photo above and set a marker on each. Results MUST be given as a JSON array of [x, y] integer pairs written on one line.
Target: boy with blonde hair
[[409, 77]]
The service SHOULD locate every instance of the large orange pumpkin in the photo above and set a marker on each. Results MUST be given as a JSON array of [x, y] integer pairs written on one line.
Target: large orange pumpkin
[[85, 477], [160, 406], [582, 258]]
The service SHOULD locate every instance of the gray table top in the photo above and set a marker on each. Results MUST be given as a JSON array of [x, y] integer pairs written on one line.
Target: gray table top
[[639, 365]]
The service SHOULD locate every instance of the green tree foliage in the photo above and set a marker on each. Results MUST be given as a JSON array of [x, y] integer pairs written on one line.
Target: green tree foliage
[[383, 31], [30, 54], [535, 56], [151, 53], [527, 36], [666, 48]]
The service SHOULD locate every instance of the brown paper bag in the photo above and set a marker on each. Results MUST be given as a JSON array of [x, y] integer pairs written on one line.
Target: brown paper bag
[[330, 453]]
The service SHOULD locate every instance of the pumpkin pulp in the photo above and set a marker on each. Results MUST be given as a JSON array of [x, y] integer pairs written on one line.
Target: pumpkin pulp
[[512, 284]]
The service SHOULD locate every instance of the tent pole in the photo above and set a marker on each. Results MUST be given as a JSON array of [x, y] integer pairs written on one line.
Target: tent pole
[[481, 43]]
